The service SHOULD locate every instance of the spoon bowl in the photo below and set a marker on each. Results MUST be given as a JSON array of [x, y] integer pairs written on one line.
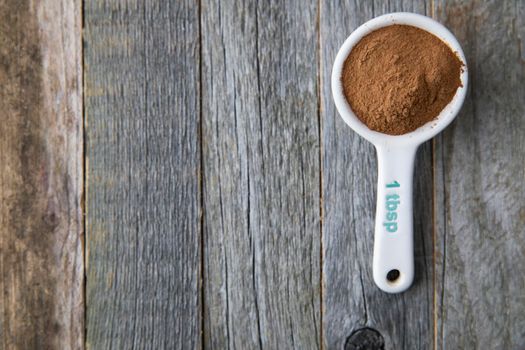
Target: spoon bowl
[[393, 262]]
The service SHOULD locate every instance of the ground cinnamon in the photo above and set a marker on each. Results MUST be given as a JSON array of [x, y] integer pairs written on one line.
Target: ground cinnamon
[[400, 77]]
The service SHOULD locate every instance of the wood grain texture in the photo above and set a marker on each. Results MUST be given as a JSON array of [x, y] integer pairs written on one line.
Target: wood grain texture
[[480, 181], [41, 261], [261, 175], [351, 300], [143, 198]]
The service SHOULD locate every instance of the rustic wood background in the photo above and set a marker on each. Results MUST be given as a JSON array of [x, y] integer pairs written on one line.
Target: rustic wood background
[[174, 175], [41, 182]]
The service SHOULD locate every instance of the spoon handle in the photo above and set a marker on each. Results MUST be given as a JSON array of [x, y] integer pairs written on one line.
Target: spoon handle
[[393, 264]]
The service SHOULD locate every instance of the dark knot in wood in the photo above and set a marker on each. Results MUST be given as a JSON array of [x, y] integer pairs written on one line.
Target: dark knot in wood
[[365, 339]]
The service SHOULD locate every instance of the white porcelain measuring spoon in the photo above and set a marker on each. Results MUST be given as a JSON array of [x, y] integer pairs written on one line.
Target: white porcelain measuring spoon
[[393, 263]]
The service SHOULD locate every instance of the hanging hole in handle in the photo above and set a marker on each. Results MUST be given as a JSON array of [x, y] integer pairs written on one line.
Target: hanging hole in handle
[[393, 275]]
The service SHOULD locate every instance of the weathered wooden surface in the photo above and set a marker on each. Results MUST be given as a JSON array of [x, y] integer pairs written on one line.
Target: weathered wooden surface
[[41, 262], [479, 188], [143, 166], [261, 175], [214, 149], [349, 174]]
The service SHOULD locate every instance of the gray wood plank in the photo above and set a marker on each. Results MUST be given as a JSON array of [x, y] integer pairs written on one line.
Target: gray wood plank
[[261, 175], [480, 181], [41, 226], [351, 301], [143, 168]]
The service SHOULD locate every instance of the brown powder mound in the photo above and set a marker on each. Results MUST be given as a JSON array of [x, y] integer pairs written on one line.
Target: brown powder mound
[[400, 77]]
